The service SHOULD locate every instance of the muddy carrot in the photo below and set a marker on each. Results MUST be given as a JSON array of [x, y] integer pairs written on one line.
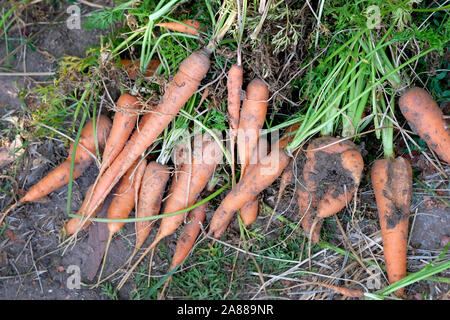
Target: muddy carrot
[[186, 26], [392, 185], [427, 120], [331, 174]]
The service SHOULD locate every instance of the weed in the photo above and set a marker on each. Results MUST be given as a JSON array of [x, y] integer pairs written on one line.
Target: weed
[[142, 289], [109, 290], [206, 276]]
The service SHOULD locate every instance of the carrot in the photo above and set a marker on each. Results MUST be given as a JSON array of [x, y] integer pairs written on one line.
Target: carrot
[[249, 212], [124, 201], [58, 177], [133, 71], [192, 179], [189, 234], [75, 224], [255, 181], [150, 197], [180, 89], [332, 173], [251, 120], [289, 135], [427, 120], [180, 154], [392, 185], [351, 293], [123, 124], [234, 87], [186, 26], [87, 139], [61, 174], [126, 195], [186, 240]]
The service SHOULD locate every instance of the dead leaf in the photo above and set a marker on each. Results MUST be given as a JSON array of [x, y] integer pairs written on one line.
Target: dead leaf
[[44, 199], [11, 235], [10, 151], [445, 240]]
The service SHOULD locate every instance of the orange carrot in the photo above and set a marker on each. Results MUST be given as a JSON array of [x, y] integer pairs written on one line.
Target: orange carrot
[[427, 120], [126, 195], [58, 177], [251, 120], [133, 68], [186, 240], [288, 135], [123, 124], [61, 174], [76, 224], [331, 174], [234, 87], [351, 293], [87, 139], [180, 154], [124, 201], [392, 185], [288, 174], [249, 212], [192, 179], [150, 196], [186, 26], [189, 234], [254, 181], [179, 90]]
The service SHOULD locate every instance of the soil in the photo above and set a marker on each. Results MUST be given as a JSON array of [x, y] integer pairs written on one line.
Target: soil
[[430, 225], [31, 266]]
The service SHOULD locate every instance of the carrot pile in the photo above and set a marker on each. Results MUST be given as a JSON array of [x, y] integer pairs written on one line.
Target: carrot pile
[[162, 196]]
